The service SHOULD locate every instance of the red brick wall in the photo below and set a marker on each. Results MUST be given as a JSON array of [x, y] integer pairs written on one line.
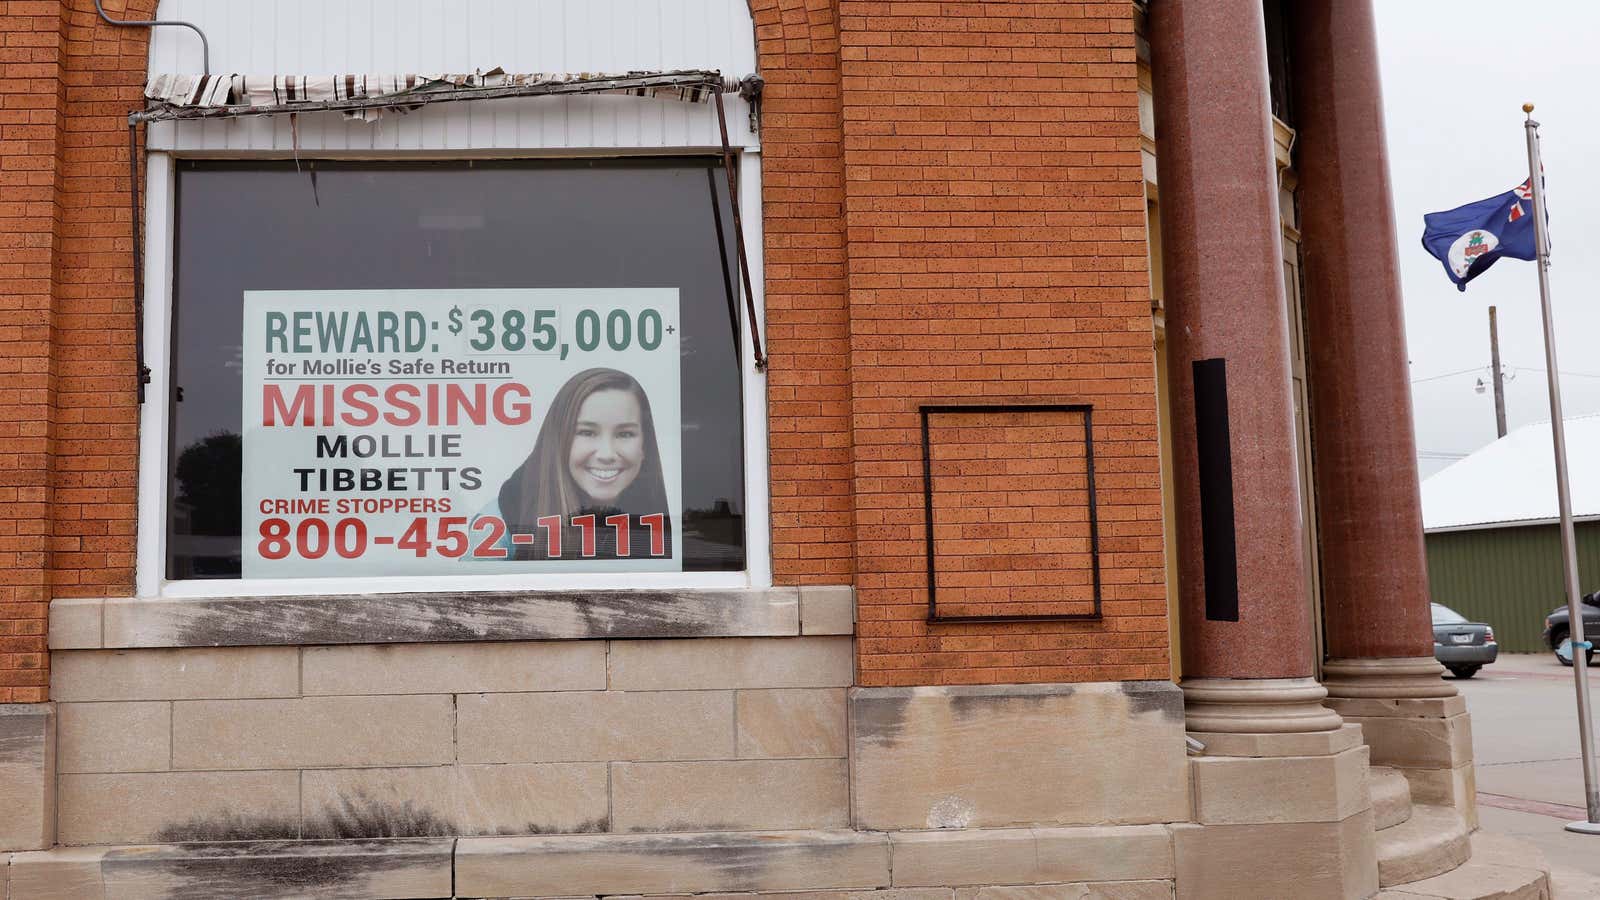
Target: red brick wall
[[808, 325], [67, 411], [995, 216], [953, 211]]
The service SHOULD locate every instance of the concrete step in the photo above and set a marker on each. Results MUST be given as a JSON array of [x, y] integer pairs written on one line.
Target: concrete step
[[1391, 797], [1501, 868], [1431, 842]]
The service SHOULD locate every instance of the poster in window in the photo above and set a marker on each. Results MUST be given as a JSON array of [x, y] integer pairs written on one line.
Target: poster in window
[[440, 432]]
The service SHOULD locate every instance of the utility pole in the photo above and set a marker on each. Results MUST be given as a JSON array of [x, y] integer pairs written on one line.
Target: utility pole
[[1499, 381]]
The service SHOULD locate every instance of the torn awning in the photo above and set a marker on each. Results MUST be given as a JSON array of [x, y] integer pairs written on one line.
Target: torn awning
[[368, 96]]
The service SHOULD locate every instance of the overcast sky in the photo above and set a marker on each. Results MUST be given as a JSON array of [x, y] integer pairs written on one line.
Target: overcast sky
[[1455, 76]]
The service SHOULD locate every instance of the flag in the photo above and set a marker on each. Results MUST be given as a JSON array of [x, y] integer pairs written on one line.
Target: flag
[[1468, 239]]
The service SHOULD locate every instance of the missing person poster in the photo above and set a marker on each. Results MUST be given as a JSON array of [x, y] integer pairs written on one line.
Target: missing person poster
[[461, 432]]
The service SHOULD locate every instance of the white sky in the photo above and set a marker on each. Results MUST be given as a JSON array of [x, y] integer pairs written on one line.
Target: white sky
[[1455, 76]]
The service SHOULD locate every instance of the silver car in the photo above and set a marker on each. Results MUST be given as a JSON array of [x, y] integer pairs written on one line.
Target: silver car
[[1464, 647]]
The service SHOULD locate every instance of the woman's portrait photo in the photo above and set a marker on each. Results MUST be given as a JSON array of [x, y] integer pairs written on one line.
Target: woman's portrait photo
[[596, 454]]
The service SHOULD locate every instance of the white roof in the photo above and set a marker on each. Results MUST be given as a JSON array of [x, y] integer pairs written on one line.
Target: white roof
[[1513, 480]]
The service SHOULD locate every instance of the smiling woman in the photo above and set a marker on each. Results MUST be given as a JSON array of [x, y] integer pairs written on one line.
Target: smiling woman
[[596, 457]]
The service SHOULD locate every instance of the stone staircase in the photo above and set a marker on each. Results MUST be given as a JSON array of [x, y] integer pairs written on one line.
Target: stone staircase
[[1426, 852]]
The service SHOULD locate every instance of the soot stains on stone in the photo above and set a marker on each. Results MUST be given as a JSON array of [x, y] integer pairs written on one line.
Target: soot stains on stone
[[410, 618], [1162, 697], [229, 827], [360, 816], [269, 869]]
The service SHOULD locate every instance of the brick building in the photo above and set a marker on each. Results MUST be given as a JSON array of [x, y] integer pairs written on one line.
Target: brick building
[[1007, 468]]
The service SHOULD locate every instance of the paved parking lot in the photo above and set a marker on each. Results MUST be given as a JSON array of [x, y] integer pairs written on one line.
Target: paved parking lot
[[1530, 783]]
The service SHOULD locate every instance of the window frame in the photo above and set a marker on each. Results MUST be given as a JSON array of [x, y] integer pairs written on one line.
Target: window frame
[[155, 417]]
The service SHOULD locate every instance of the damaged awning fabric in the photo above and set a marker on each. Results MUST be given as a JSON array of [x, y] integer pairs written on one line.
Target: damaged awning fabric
[[367, 97]]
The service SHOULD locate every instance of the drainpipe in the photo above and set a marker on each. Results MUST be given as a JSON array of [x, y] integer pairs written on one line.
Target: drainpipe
[[205, 46]]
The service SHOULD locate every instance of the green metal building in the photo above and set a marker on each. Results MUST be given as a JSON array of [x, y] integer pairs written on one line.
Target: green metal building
[[1509, 577], [1494, 548]]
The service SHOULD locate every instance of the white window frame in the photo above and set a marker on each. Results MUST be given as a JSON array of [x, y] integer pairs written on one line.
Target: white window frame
[[155, 417]]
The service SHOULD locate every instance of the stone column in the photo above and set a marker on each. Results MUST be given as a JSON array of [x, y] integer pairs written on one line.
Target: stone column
[[1381, 672], [1245, 621]]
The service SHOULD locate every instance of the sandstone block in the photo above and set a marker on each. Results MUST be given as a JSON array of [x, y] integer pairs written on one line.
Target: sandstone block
[[992, 856], [378, 803], [547, 798], [732, 663], [179, 806], [1242, 791], [1307, 861], [794, 722], [744, 795], [1120, 853], [1002, 755], [1418, 743], [27, 776], [466, 668], [827, 610], [595, 726], [189, 674], [1456, 788], [75, 623], [114, 737], [583, 865], [312, 732]]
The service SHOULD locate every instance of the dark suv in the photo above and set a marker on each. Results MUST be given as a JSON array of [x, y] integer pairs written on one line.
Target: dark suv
[[1558, 628]]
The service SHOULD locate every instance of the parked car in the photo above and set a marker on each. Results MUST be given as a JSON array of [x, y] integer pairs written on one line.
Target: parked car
[[1464, 647], [1558, 628]]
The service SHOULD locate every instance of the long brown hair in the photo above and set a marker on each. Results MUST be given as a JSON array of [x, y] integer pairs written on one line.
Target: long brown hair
[[545, 487]]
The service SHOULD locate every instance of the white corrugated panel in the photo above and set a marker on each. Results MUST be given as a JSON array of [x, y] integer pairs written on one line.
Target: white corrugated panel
[[335, 37], [1513, 480]]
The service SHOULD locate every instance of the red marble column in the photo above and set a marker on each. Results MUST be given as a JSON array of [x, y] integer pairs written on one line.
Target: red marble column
[[1220, 236], [1374, 576]]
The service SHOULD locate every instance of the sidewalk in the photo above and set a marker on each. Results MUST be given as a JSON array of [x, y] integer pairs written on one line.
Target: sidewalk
[[1530, 780]]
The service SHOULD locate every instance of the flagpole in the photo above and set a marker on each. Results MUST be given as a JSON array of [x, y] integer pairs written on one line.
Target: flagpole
[[1569, 552]]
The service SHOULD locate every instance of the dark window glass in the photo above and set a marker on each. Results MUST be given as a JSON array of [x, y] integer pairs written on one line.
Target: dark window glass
[[334, 226], [1280, 63]]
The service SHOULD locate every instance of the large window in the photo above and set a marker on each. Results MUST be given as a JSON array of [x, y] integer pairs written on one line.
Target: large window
[[464, 367]]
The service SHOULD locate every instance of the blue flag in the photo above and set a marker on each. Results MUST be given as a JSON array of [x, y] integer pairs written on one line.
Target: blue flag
[[1468, 239]]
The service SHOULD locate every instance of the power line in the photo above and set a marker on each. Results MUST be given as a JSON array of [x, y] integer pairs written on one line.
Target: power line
[[1448, 374], [1563, 374]]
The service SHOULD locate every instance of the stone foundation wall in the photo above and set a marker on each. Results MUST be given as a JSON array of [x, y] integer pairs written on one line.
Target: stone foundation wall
[[413, 740]]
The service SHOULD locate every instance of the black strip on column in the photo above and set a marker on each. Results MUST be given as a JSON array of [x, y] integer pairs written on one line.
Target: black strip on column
[[1216, 489]]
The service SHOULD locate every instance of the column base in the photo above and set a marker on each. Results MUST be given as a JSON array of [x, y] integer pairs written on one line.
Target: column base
[[1399, 678], [1414, 721], [27, 776], [1257, 706]]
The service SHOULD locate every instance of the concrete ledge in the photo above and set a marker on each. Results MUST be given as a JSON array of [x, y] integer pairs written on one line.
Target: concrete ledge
[[27, 776], [417, 618], [1305, 743], [571, 866], [349, 870], [1102, 753], [1027, 856]]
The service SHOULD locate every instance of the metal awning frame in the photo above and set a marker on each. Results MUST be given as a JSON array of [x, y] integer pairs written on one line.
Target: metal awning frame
[[711, 81]]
